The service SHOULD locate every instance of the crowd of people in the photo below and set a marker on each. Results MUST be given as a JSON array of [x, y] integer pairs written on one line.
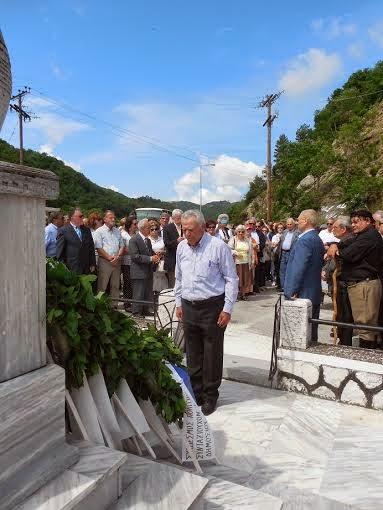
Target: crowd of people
[[211, 264]]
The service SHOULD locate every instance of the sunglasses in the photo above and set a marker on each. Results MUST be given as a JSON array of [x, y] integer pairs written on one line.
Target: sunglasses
[[211, 226], [153, 229]]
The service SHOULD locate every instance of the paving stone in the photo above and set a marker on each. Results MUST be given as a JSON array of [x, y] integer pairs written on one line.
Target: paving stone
[[334, 376], [352, 394]]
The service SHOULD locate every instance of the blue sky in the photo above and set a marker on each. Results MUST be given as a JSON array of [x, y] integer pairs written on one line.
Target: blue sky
[[136, 94]]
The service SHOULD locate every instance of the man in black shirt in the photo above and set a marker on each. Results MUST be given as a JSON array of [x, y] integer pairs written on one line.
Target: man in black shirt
[[361, 270]]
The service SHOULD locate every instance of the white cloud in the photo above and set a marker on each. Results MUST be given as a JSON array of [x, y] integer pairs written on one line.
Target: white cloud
[[309, 71], [356, 50], [333, 27], [113, 187], [51, 127], [376, 33], [228, 179]]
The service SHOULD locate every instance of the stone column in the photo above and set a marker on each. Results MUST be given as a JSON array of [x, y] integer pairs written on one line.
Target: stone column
[[295, 325], [32, 395]]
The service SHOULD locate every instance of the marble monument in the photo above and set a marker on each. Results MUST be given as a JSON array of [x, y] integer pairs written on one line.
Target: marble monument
[[5, 80], [33, 449]]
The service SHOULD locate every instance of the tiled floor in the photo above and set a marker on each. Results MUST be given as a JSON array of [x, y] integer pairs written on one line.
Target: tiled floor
[[308, 452]]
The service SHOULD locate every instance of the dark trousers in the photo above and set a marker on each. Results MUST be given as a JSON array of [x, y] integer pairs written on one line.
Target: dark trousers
[[126, 284], [204, 346], [344, 314], [142, 291], [283, 265]]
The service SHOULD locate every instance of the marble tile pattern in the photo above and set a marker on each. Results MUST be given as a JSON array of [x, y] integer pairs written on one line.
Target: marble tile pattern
[[93, 483], [96, 461], [161, 487], [309, 453], [65, 491], [32, 433], [223, 495]]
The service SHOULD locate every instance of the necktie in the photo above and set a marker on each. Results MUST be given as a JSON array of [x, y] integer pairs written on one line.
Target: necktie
[[78, 231], [147, 242]]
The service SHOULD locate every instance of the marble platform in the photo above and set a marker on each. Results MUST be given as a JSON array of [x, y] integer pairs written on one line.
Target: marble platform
[[293, 452], [32, 433], [93, 483]]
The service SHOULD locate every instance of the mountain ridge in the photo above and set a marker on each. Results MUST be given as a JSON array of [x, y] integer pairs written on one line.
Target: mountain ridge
[[91, 196]]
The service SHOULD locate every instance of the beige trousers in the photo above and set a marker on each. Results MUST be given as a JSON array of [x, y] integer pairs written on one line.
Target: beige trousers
[[365, 301], [109, 273]]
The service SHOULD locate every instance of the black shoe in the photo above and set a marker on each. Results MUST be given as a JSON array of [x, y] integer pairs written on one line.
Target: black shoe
[[365, 344], [209, 407]]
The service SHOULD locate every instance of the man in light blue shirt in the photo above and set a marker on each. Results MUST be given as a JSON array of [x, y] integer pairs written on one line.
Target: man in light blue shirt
[[56, 221], [206, 289]]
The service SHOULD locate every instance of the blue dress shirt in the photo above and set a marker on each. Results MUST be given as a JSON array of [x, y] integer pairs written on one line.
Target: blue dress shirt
[[205, 271], [50, 240]]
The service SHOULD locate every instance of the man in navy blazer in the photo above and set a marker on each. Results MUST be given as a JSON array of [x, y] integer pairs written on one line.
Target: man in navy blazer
[[74, 245], [303, 272]]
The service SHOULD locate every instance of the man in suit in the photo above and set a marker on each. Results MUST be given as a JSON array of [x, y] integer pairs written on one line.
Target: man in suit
[[304, 268], [74, 245], [141, 267], [172, 235], [288, 240]]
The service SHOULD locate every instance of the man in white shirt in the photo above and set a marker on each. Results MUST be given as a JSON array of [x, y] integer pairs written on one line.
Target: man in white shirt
[[327, 235], [110, 247], [205, 291]]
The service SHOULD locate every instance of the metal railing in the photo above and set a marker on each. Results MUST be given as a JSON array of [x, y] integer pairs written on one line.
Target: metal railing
[[159, 323], [276, 338], [324, 322]]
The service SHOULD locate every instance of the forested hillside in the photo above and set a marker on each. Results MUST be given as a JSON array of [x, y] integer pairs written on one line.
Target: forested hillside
[[78, 190], [339, 160]]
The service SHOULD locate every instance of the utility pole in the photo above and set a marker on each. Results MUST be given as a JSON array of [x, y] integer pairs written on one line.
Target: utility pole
[[23, 116], [267, 103]]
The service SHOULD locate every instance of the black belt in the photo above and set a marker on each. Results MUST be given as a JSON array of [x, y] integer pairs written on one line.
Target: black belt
[[363, 280], [202, 302]]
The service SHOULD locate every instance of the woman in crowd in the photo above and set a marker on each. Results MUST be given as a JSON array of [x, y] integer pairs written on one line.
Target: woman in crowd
[[210, 227], [160, 280], [266, 254], [275, 251], [129, 229], [222, 230], [243, 253]]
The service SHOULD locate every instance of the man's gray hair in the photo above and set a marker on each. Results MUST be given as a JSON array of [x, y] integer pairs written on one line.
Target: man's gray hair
[[311, 216], [344, 222], [176, 212], [194, 213], [290, 220], [378, 216], [141, 224]]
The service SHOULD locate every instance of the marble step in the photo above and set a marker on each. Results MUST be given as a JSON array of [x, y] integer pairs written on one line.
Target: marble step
[[150, 485], [93, 483], [223, 495]]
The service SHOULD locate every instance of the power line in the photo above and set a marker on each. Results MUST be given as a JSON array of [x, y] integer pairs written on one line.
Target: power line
[[123, 132]]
